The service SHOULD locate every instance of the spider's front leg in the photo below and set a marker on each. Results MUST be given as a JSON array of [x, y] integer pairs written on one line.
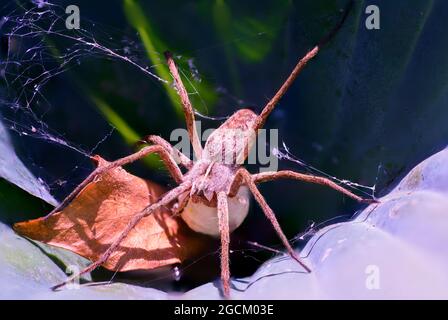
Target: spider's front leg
[[244, 177], [186, 105], [166, 157]]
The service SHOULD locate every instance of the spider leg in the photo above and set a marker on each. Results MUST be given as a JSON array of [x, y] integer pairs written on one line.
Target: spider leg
[[223, 217], [178, 156], [164, 200], [168, 160], [249, 181], [297, 69], [186, 104], [286, 174]]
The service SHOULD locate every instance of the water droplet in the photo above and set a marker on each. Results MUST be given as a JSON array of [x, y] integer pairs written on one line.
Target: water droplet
[[177, 274]]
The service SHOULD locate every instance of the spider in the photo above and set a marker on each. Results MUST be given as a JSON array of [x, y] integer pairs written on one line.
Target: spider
[[216, 184]]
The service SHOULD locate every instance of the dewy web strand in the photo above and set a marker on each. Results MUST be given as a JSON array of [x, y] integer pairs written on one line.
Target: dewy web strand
[[287, 155]]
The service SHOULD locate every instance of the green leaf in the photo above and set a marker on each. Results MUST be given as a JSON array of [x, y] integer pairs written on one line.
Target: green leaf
[[13, 170]]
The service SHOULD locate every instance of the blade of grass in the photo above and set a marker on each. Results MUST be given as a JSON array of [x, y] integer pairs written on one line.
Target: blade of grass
[[153, 46], [250, 37], [128, 134], [138, 20], [222, 18]]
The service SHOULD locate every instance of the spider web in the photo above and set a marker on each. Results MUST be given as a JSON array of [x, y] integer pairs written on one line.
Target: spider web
[[286, 154], [31, 60]]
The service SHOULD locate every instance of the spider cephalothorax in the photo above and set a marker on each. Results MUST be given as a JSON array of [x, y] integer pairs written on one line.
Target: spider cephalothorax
[[215, 172], [213, 196]]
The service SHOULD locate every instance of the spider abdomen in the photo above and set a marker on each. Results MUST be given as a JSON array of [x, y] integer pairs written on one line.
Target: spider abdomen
[[204, 219]]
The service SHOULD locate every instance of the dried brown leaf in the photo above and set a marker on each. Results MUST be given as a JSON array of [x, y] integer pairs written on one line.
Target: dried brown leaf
[[97, 216]]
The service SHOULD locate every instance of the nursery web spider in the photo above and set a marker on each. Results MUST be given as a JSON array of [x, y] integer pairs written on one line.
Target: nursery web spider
[[213, 186]]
